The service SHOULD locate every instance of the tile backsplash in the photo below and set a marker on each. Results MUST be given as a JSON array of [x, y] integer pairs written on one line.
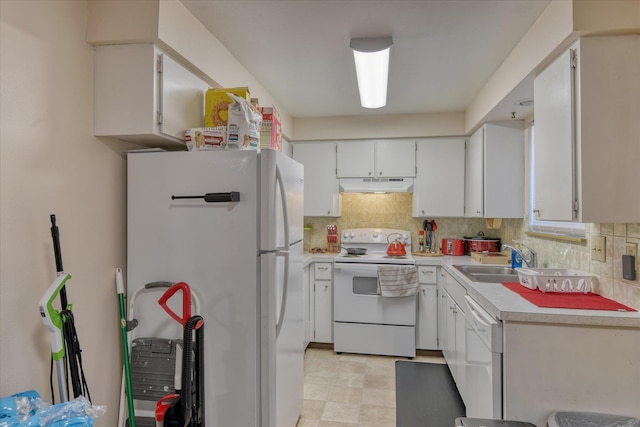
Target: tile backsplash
[[390, 210], [393, 210]]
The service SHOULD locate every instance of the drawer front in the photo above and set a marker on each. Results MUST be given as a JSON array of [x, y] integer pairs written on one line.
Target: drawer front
[[322, 270], [428, 274]]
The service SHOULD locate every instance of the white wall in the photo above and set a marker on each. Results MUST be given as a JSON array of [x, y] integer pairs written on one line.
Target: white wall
[[51, 163], [378, 126]]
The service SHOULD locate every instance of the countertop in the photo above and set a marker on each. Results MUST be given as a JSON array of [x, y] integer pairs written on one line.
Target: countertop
[[508, 306], [319, 257]]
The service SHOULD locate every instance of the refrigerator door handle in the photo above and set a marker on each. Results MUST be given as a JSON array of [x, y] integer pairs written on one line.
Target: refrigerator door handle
[[285, 289], [285, 210]]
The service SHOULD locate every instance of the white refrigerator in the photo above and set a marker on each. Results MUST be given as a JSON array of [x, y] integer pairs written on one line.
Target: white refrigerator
[[229, 224]]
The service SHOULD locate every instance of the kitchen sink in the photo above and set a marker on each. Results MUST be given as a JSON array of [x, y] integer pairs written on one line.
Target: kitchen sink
[[488, 273]]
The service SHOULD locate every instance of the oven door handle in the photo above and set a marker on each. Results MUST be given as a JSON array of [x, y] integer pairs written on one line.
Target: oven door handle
[[368, 269]]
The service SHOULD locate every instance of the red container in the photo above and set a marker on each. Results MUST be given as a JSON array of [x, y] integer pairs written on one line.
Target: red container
[[452, 246], [480, 243]]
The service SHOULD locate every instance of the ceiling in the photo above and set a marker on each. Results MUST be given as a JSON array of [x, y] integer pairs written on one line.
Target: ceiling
[[443, 51]]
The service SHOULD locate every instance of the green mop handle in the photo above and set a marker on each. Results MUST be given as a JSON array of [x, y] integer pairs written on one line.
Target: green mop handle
[[125, 347]]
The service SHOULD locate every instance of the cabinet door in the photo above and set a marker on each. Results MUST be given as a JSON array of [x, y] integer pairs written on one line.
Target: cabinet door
[[427, 327], [181, 102], [503, 170], [395, 158], [323, 311], [356, 159], [460, 351], [554, 163], [474, 178], [322, 194], [144, 96], [438, 189], [307, 300], [449, 351], [442, 318]]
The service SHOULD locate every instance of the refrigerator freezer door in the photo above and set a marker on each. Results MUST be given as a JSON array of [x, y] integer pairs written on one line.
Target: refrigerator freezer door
[[212, 247], [273, 167], [282, 353]]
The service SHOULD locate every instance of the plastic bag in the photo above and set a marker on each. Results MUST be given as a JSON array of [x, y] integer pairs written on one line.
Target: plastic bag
[[18, 407], [243, 125], [27, 409]]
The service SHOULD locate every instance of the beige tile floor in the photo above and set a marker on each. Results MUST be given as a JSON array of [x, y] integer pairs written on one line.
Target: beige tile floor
[[351, 390]]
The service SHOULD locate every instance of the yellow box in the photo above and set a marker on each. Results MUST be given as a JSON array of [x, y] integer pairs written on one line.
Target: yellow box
[[216, 107]]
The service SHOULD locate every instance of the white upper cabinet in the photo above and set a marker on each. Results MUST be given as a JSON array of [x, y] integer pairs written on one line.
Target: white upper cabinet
[[494, 180], [587, 127], [144, 96], [321, 191], [377, 159], [438, 189]]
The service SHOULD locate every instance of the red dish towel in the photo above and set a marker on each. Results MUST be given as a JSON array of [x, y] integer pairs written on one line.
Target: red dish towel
[[588, 301]]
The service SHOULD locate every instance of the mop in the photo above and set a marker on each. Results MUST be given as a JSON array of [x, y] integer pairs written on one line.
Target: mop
[[65, 347]]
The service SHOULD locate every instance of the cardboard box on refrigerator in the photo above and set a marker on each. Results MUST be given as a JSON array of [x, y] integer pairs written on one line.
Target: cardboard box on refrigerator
[[271, 129], [216, 109]]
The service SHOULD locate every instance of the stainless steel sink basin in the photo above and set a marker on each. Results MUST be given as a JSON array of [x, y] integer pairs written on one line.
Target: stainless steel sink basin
[[488, 273]]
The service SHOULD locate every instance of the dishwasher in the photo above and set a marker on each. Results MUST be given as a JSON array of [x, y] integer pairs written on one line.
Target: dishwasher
[[483, 339]]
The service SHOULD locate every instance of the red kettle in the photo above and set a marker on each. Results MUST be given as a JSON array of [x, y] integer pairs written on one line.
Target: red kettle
[[396, 248]]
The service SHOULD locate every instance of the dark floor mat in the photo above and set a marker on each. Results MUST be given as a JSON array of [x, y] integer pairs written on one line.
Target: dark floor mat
[[426, 395]]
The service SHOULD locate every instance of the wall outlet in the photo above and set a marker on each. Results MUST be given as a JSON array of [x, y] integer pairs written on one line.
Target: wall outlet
[[598, 248], [632, 249]]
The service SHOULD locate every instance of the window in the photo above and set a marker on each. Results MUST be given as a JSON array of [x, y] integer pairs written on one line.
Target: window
[[575, 229]]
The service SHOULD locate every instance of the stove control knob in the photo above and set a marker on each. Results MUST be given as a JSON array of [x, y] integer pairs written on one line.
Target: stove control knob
[[345, 235], [375, 235], [352, 235]]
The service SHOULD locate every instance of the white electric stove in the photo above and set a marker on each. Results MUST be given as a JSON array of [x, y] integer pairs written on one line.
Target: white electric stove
[[365, 321]]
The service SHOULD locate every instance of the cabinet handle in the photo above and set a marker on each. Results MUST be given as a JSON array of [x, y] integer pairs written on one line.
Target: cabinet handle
[[369, 173], [323, 268], [160, 112], [380, 173], [328, 213], [422, 211]]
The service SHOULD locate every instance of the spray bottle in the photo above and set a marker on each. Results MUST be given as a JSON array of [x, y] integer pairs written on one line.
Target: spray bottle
[[516, 259]]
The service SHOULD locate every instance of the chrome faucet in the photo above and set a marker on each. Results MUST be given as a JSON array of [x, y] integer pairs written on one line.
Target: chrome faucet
[[532, 261]]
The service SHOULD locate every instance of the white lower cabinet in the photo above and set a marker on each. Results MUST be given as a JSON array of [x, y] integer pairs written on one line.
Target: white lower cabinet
[[427, 324], [586, 368], [307, 304], [454, 346], [323, 302]]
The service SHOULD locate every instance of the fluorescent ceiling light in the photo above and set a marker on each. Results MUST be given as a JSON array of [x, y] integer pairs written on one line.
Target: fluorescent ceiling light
[[371, 56]]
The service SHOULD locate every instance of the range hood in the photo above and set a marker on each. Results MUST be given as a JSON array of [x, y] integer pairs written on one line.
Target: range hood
[[376, 185]]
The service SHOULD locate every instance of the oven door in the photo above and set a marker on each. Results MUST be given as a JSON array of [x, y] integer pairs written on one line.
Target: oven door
[[357, 299]]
